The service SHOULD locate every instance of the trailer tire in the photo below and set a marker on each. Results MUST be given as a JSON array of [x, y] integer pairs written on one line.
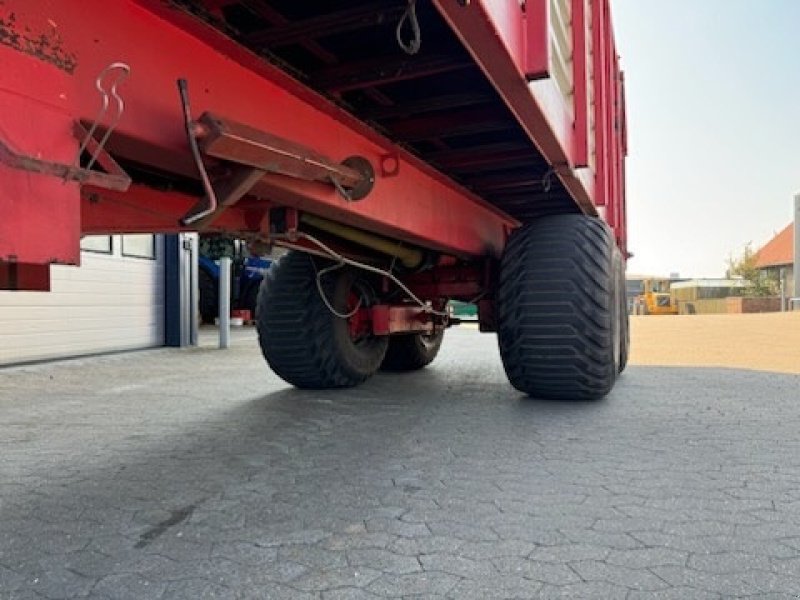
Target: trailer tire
[[624, 319], [557, 308], [411, 352], [207, 301], [303, 342]]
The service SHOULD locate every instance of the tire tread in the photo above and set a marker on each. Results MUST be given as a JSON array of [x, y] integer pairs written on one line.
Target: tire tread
[[554, 308]]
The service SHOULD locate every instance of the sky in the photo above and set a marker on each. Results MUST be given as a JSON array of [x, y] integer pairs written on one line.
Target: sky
[[713, 102]]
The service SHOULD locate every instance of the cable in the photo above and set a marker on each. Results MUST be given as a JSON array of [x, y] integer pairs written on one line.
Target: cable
[[343, 260], [325, 298], [414, 45]]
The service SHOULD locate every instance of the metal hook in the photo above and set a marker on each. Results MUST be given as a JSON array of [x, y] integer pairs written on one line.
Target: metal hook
[[413, 45], [124, 70], [547, 180]]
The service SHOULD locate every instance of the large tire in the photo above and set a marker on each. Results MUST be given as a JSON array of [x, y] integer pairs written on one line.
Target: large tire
[[209, 294], [624, 320], [557, 309], [302, 340], [411, 352]]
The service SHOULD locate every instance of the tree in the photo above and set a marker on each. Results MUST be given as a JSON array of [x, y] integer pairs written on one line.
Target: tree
[[744, 266]]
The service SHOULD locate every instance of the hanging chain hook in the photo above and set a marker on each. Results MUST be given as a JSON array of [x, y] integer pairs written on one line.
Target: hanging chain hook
[[413, 46]]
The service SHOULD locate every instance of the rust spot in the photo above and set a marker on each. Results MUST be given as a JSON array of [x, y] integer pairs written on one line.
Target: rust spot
[[47, 46]]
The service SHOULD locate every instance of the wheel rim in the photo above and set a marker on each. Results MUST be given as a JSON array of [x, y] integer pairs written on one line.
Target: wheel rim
[[359, 298]]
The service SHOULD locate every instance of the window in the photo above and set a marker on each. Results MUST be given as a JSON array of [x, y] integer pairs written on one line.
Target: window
[[139, 245], [97, 243]]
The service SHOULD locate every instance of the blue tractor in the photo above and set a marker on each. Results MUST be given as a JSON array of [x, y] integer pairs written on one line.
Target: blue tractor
[[247, 272]]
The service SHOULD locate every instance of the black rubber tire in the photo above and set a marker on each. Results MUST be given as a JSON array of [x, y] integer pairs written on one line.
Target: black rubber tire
[[411, 352], [208, 297], [303, 342], [624, 320], [557, 308]]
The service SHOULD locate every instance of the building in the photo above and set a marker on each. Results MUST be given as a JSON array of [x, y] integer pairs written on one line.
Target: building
[[113, 301], [131, 291], [775, 260], [709, 295]]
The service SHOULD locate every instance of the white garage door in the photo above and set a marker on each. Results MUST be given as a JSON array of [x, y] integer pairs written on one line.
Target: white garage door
[[113, 301]]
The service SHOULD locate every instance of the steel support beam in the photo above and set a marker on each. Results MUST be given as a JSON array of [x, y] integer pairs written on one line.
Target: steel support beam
[[343, 21], [382, 70], [425, 105], [461, 122], [415, 203]]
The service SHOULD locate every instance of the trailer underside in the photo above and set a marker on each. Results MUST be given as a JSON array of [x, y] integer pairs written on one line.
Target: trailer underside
[[403, 140], [438, 105]]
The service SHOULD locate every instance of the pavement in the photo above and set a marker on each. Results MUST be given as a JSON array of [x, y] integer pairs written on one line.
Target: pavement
[[196, 473], [762, 341]]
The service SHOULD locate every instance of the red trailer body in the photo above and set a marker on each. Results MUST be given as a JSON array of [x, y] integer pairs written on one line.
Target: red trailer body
[[364, 131]]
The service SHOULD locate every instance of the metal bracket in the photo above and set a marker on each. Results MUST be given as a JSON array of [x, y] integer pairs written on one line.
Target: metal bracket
[[234, 142], [115, 178], [227, 192]]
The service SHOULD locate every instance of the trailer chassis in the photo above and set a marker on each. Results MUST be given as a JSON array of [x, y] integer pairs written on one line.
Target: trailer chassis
[[277, 163]]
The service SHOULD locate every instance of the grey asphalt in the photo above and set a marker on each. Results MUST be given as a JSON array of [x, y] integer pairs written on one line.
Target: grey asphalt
[[198, 474]]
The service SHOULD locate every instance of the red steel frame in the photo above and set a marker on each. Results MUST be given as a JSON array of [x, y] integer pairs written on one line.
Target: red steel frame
[[510, 42], [43, 90]]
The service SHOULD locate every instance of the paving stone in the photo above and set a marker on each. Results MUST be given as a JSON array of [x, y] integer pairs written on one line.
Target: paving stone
[[426, 545], [497, 587], [543, 572], [631, 578], [397, 527], [591, 589], [349, 594], [383, 560], [462, 531], [617, 541], [198, 589], [457, 565], [11, 580], [727, 585], [675, 593], [568, 552], [359, 540], [413, 583], [729, 562], [716, 544], [679, 485], [245, 553], [54, 581], [500, 548], [127, 585], [639, 558], [777, 583], [326, 579], [313, 557]]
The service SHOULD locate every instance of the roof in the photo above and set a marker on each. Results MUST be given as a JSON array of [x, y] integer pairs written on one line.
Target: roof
[[778, 251]]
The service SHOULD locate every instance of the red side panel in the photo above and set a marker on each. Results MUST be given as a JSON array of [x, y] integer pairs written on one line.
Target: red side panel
[[40, 217], [511, 43]]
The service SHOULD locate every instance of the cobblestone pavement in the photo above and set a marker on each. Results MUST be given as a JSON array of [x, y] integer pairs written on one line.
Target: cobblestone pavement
[[198, 474]]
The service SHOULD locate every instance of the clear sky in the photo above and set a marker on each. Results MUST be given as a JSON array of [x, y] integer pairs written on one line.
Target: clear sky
[[713, 99]]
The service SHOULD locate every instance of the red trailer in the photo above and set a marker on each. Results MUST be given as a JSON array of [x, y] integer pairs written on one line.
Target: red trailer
[[407, 152]]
